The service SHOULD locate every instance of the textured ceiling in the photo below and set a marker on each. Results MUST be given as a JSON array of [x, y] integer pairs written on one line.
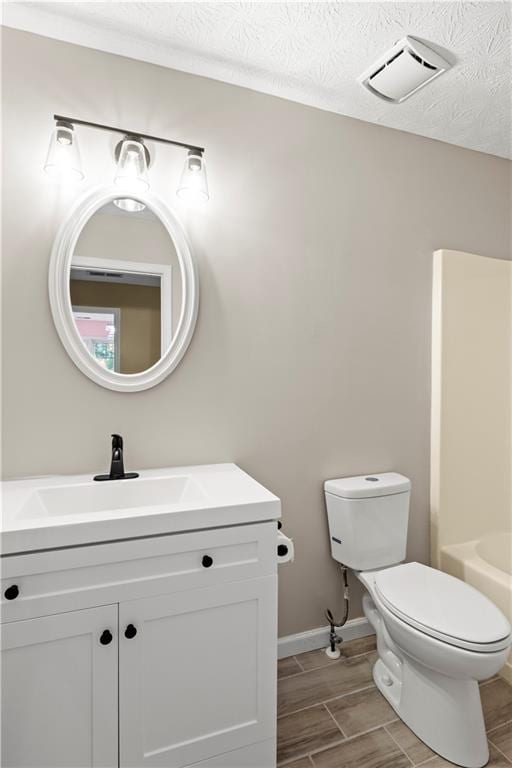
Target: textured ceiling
[[312, 52]]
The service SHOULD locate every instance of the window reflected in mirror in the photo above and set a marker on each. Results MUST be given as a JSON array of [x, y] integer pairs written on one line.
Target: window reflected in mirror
[[99, 330]]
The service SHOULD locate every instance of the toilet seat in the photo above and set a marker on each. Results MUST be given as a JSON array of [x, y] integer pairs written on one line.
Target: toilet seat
[[442, 607]]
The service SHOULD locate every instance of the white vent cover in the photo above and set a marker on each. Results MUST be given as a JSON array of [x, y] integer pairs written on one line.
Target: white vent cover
[[403, 70]]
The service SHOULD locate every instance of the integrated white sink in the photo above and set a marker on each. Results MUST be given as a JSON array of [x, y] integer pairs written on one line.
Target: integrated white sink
[[111, 497], [58, 511]]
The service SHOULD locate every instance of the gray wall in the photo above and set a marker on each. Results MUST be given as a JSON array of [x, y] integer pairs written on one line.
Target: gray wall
[[311, 354]]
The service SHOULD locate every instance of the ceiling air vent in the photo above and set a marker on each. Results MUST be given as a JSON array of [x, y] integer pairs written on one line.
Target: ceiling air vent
[[403, 70]]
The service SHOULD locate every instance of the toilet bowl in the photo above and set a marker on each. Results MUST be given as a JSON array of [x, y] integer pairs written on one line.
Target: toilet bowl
[[428, 673], [437, 637]]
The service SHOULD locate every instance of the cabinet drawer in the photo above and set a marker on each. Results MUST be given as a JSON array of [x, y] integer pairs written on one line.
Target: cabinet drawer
[[68, 579]]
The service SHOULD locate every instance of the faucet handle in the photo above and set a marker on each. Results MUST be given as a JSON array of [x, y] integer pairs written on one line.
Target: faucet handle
[[117, 442]]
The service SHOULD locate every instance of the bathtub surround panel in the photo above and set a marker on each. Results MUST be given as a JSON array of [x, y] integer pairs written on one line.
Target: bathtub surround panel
[[471, 423], [310, 358], [471, 398]]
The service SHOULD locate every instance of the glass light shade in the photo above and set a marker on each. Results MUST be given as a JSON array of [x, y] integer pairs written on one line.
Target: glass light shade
[[63, 159], [193, 186], [132, 174], [132, 167]]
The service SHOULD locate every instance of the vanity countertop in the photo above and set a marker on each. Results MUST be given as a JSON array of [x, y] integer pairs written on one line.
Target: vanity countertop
[[73, 510]]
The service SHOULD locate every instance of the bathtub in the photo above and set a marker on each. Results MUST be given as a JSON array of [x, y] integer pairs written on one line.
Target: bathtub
[[486, 564]]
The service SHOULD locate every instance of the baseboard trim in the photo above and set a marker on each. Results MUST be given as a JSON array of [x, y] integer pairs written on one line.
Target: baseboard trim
[[290, 645]]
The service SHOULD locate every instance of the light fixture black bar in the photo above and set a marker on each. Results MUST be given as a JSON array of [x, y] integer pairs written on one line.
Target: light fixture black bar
[[101, 127]]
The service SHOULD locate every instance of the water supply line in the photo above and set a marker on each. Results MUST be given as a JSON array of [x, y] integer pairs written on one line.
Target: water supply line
[[334, 639]]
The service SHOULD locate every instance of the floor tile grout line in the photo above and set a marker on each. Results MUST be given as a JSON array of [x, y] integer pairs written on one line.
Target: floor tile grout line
[[302, 755], [327, 746], [496, 727], [398, 745], [349, 739], [300, 665], [324, 701], [370, 730], [334, 720], [499, 750], [345, 740], [294, 674]]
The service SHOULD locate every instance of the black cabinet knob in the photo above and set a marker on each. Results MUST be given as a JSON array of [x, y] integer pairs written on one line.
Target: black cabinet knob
[[106, 637], [282, 550], [207, 561], [12, 592], [130, 631]]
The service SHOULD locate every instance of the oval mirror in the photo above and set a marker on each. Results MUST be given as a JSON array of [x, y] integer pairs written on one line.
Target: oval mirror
[[123, 289]]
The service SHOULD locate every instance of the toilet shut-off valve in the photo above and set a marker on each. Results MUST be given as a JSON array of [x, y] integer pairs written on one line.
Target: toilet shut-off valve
[[333, 651]]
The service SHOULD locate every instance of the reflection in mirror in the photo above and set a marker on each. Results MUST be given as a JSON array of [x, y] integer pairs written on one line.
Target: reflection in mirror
[[125, 289]]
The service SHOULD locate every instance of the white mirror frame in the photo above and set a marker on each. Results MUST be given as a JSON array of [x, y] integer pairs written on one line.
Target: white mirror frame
[[60, 301]]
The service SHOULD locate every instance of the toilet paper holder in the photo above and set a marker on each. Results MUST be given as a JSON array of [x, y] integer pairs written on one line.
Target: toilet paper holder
[[285, 548]]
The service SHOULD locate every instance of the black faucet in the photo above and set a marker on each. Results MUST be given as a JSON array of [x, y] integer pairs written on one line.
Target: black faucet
[[117, 464]]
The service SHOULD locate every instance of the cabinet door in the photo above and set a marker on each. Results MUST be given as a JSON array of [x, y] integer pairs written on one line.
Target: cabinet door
[[199, 676], [59, 690]]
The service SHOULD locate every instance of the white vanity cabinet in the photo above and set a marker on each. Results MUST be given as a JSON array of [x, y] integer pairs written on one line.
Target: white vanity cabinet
[[157, 651]]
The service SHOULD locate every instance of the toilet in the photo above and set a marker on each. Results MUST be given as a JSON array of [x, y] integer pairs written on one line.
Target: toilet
[[437, 637]]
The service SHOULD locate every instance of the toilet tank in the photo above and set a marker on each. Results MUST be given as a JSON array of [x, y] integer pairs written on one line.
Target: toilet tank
[[368, 518]]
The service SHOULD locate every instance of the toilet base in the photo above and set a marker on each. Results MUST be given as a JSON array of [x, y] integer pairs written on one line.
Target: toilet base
[[445, 714]]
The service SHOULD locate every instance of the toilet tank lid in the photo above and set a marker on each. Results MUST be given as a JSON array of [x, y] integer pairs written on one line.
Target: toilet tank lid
[[368, 486]]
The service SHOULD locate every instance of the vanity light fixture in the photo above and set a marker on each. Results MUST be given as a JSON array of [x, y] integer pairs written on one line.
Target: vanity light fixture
[[133, 158], [63, 158]]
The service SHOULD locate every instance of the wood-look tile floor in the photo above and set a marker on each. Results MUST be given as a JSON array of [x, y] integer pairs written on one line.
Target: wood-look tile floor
[[331, 715]]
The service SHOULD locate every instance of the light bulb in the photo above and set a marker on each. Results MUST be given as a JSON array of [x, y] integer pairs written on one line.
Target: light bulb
[[63, 158], [193, 186], [129, 205]]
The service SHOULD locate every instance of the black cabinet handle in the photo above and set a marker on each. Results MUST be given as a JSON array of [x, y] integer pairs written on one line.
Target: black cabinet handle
[[106, 637], [12, 592], [130, 631], [282, 550], [207, 561]]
